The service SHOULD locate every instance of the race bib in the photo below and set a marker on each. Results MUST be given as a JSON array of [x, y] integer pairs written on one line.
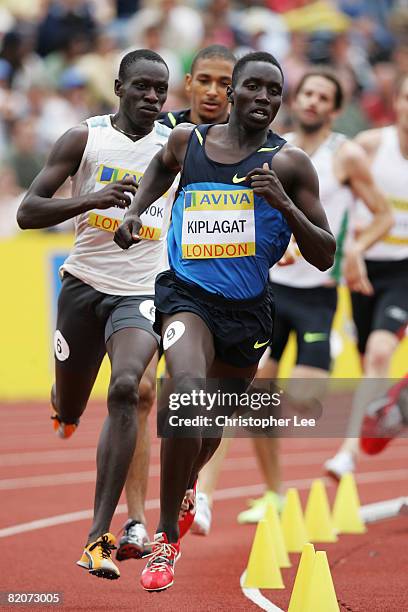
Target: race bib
[[218, 224], [109, 219], [399, 231]]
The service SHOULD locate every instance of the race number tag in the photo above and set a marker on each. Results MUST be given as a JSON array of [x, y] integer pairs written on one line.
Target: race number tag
[[109, 219], [218, 224], [399, 231]]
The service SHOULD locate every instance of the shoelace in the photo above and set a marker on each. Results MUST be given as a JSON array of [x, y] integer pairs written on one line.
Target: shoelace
[[105, 545], [160, 558]]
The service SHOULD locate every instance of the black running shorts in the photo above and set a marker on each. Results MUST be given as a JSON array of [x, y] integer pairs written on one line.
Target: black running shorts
[[88, 318], [309, 312], [387, 308], [241, 329]]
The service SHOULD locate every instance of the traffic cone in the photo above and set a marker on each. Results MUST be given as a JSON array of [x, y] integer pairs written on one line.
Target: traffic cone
[[271, 517], [346, 509], [319, 523], [302, 581], [321, 596], [293, 523], [263, 571]]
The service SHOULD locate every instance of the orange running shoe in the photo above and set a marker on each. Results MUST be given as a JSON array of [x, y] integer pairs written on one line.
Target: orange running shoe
[[63, 430], [97, 557]]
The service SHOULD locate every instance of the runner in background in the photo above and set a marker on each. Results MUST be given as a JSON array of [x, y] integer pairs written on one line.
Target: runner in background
[[381, 317]]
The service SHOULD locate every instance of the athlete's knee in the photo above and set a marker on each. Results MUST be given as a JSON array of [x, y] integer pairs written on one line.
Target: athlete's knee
[[147, 395], [379, 352], [123, 393], [185, 384]]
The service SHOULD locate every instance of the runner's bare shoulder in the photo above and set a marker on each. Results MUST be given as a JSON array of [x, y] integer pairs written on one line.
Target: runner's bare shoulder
[[178, 140], [370, 141], [71, 145], [292, 164]]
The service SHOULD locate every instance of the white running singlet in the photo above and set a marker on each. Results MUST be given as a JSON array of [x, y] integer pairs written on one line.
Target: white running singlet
[[337, 200], [95, 259], [390, 172]]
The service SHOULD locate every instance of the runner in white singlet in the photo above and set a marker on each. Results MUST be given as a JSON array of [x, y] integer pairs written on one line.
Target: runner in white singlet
[[381, 318], [106, 301]]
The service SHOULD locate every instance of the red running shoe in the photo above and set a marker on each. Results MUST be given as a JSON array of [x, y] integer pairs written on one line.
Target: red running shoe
[[187, 511], [383, 421], [158, 574]]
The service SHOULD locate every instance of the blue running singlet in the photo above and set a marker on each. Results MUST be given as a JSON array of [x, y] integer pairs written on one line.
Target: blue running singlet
[[222, 236]]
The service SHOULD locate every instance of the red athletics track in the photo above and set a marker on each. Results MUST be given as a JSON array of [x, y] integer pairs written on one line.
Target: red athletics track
[[42, 477]]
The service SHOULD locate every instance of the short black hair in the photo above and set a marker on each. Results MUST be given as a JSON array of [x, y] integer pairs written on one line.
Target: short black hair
[[257, 56], [330, 75], [213, 51], [134, 56]]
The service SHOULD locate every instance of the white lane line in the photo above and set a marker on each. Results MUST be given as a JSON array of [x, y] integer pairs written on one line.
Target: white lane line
[[222, 494], [61, 519], [230, 464], [56, 456], [70, 478], [75, 455], [257, 598]]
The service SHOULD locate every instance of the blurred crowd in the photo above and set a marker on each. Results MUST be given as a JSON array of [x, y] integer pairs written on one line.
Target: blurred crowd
[[59, 59]]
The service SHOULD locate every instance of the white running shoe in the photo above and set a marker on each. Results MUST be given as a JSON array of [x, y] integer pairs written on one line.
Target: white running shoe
[[134, 544], [340, 464], [202, 519]]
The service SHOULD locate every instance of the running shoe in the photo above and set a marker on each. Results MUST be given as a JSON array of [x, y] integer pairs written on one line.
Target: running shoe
[[134, 544], [187, 511], [63, 430], [340, 464], [97, 557], [384, 420], [258, 508], [202, 519], [158, 574]]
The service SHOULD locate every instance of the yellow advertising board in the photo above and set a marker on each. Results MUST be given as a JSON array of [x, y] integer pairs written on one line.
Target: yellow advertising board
[[30, 286]]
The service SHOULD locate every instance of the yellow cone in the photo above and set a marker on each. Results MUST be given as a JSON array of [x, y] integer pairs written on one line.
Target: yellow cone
[[293, 523], [302, 581], [263, 571], [319, 523], [346, 509], [271, 517], [321, 596]]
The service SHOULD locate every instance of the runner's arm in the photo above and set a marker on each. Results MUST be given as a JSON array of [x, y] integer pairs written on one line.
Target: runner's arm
[[354, 166], [294, 191], [358, 175], [40, 209], [157, 179]]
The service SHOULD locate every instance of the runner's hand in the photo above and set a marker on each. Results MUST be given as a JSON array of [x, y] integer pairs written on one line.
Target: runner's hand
[[128, 232], [266, 184], [355, 273], [119, 194]]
